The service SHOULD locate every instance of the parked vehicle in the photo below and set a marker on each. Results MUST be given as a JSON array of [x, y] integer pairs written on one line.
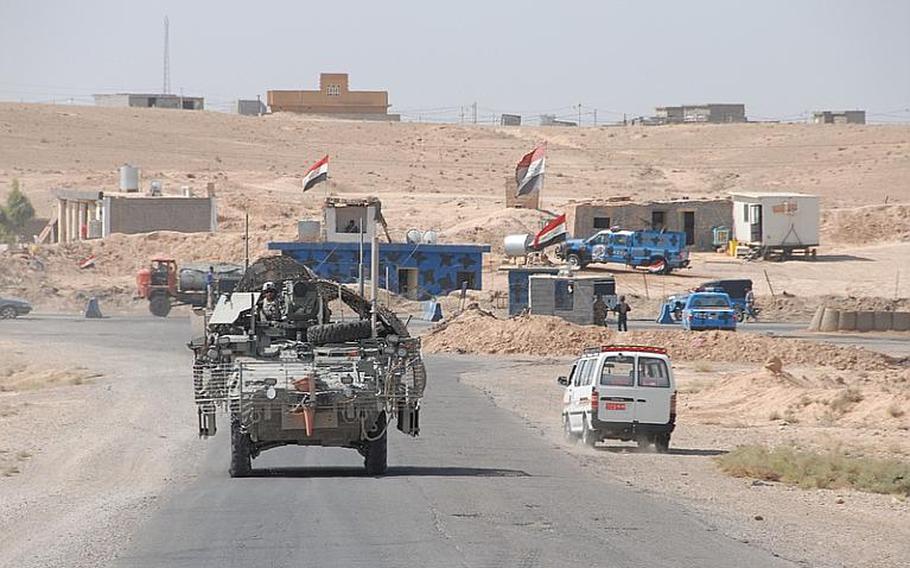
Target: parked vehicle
[[708, 310], [659, 252], [736, 290], [623, 392], [13, 307]]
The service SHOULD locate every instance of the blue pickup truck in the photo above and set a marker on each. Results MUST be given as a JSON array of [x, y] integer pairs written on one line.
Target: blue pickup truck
[[660, 252]]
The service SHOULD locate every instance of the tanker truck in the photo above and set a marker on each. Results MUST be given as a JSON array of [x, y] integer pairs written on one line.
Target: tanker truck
[[165, 285]]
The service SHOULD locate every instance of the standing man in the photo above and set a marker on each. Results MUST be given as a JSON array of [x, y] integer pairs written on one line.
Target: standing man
[[750, 305], [600, 311], [622, 310]]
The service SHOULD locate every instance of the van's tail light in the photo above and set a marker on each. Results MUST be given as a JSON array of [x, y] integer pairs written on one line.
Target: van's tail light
[[673, 404], [595, 399]]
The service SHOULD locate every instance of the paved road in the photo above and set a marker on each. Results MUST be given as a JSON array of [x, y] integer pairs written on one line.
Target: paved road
[[477, 488]]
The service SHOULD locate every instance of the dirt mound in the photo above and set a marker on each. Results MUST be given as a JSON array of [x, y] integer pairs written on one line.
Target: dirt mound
[[474, 331], [493, 227], [824, 399], [864, 225]]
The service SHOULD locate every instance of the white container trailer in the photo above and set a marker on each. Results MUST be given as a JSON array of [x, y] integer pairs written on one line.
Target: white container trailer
[[776, 224]]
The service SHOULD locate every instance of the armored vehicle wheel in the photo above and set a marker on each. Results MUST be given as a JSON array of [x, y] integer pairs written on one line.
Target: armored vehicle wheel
[[160, 305], [375, 457], [662, 443], [339, 332], [241, 463]]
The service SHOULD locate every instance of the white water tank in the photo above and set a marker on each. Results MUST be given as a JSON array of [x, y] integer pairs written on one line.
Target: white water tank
[[413, 236], [430, 237], [129, 178], [517, 245]]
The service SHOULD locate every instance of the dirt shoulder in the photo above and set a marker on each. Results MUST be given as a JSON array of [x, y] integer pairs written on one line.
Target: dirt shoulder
[[819, 527], [90, 438]]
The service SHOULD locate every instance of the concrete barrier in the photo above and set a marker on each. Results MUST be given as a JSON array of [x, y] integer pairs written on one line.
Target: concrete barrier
[[816, 319], [846, 321], [900, 321], [829, 320], [882, 321], [865, 321]]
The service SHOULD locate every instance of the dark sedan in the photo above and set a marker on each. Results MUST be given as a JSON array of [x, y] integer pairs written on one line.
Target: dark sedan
[[13, 307]]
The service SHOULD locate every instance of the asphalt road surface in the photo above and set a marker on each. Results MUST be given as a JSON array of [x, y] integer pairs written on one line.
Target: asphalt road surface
[[477, 488]]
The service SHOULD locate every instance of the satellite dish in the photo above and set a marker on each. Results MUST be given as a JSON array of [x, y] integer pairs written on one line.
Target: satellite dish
[[413, 236], [430, 237]]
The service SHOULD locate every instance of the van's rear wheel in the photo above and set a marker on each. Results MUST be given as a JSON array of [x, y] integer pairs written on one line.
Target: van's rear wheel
[[588, 436], [567, 433], [662, 442]]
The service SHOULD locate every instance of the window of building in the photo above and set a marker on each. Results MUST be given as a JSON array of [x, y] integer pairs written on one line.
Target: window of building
[[601, 222], [658, 220], [333, 90], [469, 278], [564, 295]]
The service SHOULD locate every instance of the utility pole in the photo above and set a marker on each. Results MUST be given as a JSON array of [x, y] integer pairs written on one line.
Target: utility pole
[[474, 112], [166, 84], [579, 114], [246, 240], [595, 117], [462, 114]]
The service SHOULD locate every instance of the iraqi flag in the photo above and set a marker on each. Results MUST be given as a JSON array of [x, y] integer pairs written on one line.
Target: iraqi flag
[[553, 232], [529, 171], [318, 172]]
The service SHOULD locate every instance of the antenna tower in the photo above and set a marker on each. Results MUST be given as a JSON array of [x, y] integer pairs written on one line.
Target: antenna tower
[[166, 86]]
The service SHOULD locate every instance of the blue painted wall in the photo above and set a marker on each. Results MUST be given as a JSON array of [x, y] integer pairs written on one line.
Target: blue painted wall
[[441, 268]]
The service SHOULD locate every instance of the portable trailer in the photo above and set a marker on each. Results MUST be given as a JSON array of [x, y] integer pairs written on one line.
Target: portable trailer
[[776, 225]]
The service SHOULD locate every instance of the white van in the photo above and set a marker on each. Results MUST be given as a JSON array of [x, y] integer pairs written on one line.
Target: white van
[[624, 392]]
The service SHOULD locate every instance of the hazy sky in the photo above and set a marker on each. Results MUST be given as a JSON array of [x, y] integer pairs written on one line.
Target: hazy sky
[[780, 57]]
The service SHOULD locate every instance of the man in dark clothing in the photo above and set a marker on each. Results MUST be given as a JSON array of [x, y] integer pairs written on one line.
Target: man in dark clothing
[[600, 311], [622, 310]]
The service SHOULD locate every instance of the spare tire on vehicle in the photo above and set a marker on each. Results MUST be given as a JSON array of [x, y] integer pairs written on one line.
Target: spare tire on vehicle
[[340, 332]]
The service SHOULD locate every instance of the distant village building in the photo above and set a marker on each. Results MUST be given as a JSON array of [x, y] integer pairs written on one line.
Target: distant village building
[[712, 113], [551, 120], [141, 100], [334, 98], [839, 117], [250, 107], [695, 217], [510, 120]]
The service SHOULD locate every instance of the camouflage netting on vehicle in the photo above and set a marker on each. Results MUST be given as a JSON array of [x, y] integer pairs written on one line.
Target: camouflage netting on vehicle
[[281, 268]]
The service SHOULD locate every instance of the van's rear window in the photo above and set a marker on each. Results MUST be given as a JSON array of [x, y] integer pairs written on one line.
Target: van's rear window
[[618, 371], [652, 372]]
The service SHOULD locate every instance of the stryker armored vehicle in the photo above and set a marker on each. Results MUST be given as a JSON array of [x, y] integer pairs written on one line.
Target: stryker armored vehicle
[[286, 370]]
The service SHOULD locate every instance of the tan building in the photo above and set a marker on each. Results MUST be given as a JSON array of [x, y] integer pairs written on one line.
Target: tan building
[[714, 113], [839, 117], [695, 217], [334, 98]]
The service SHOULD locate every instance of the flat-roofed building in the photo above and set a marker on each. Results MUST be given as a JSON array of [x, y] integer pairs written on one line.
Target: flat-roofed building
[[839, 117], [143, 100], [718, 113], [334, 98]]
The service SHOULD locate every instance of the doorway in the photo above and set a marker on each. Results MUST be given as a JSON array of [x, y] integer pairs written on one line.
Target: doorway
[[689, 226], [755, 214], [658, 220], [407, 283]]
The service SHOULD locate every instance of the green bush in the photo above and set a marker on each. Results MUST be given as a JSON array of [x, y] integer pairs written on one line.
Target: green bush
[[810, 470]]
